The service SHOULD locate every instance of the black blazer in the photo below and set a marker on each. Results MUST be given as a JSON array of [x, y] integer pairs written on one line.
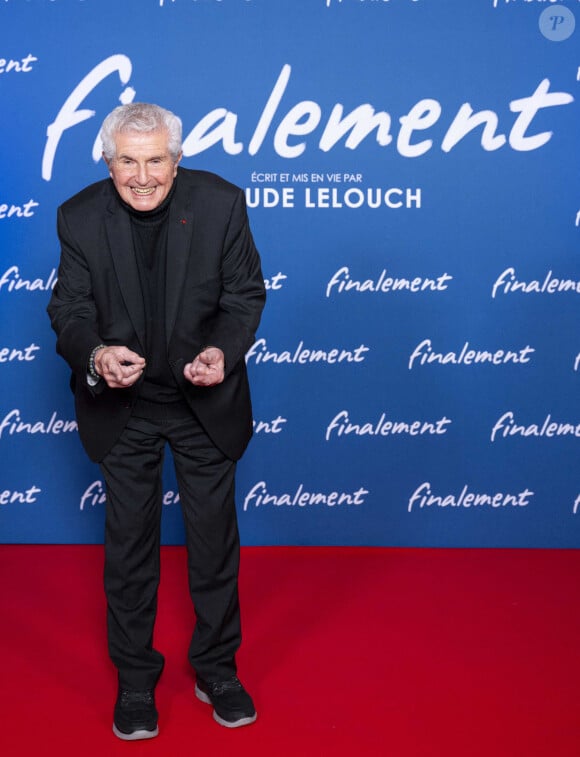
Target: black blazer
[[214, 296]]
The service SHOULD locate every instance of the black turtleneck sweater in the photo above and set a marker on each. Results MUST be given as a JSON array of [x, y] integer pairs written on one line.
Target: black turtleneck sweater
[[149, 230]]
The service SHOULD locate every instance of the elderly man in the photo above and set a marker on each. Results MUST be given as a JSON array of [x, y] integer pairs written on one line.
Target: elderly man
[[158, 298]]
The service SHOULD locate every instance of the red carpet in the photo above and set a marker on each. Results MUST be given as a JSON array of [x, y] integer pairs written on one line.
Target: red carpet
[[396, 652]]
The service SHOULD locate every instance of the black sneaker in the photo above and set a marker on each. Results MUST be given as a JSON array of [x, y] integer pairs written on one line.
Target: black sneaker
[[135, 715], [232, 705]]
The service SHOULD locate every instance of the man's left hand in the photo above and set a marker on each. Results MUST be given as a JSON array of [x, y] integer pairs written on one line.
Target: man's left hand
[[207, 369]]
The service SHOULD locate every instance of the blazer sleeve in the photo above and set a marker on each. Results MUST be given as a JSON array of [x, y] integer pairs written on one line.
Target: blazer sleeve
[[243, 293], [72, 309]]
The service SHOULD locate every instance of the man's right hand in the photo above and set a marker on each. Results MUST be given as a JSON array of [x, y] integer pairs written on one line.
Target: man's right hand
[[119, 366]]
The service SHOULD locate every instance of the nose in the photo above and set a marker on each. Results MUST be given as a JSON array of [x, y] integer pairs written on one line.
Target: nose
[[142, 174]]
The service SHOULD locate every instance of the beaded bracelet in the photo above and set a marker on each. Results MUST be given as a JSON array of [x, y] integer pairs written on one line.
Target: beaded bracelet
[[92, 370]]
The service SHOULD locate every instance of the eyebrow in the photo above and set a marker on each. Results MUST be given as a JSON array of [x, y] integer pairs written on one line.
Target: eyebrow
[[152, 157]]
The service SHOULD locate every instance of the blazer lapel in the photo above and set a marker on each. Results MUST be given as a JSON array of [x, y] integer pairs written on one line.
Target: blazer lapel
[[178, 251], [118, 227]]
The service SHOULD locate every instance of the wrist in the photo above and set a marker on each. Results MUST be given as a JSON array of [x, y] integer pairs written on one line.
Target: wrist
[[92, 370]]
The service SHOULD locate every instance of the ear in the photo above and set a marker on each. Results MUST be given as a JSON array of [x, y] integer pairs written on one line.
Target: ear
[[177, 163], [107, 161]]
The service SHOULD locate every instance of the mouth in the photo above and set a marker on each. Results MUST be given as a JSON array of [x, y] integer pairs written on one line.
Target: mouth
[[143, 191]]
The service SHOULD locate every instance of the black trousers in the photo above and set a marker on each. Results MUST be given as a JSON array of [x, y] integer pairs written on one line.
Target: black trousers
[[133, 476]]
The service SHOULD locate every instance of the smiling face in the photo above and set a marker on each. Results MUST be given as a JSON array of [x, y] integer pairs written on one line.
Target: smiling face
[[142, 169]]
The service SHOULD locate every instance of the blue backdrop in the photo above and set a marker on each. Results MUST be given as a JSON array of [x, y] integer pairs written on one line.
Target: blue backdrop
[[412, 176]]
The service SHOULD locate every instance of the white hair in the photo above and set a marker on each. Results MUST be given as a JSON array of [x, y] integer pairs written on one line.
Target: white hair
[[140, 117]]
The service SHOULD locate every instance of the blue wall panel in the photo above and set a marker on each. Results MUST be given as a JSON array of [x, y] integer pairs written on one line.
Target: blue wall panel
[[412, 173]]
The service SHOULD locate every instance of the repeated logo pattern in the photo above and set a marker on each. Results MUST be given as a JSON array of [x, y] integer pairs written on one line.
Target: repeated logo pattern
[[413, 189]]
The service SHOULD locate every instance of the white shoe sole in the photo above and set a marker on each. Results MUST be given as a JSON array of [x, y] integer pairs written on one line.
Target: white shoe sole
[[203, 697], [136, 735]]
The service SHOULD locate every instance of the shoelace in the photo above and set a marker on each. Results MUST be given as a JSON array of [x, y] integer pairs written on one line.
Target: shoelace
[[136, 697], [220, 687]]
